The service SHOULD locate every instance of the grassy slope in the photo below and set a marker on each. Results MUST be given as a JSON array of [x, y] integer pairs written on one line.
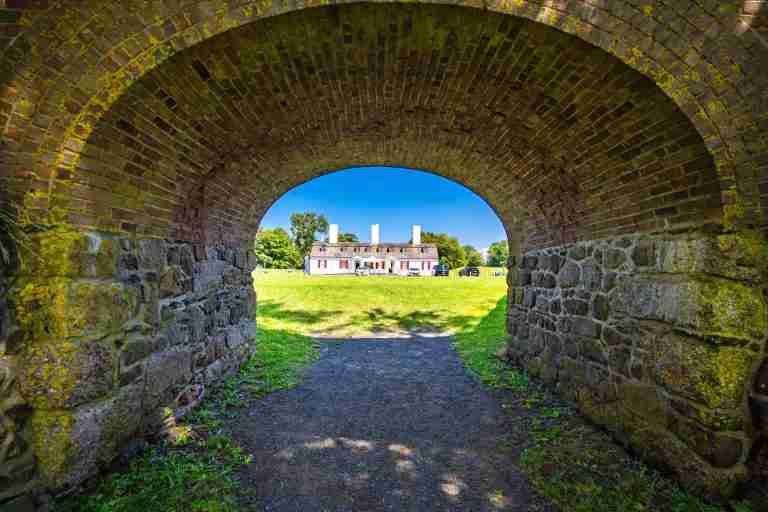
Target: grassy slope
[[350, 305]]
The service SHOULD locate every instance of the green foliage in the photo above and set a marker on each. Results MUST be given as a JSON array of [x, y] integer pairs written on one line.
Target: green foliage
[[498, 253], [275, 249], [348, 237], [304, 229], [474, 258], [449, 250]]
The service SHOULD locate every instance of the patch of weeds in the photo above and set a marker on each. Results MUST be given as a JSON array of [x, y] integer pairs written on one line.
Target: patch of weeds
[[280, 357], [164, 480], [547, 435], [477, 346], [551, 412]]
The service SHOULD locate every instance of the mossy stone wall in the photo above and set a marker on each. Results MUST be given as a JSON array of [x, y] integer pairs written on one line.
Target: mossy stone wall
[[107, 331], [657, 338]]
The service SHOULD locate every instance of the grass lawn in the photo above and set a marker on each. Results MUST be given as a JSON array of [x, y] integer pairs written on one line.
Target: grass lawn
[[366, 305]]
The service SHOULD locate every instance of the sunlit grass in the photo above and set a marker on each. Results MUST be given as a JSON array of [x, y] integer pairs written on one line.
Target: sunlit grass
[[359, 306]]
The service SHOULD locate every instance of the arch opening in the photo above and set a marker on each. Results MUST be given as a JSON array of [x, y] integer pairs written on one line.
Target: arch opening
[[618, 203], [380, 228]]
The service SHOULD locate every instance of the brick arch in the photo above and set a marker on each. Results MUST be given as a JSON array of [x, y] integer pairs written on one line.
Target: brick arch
[[145, 128], [525, 114], [682, 48]]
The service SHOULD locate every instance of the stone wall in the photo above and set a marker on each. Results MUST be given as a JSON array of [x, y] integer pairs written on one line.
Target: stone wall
[[659, 339], [111, 329]]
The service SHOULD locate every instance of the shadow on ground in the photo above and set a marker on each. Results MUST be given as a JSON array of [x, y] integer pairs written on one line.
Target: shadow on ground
[[326, 323]]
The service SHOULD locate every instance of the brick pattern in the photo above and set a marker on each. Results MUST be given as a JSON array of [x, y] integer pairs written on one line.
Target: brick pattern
[[521, 113], [706, 55], [657, 339]]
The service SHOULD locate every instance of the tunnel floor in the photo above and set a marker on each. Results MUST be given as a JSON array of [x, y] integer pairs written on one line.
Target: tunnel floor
[[381, 425]]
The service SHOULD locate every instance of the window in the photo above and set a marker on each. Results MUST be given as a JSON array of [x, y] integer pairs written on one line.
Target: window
[[422, 250], [402, 250], [423, 265], [388, 249]]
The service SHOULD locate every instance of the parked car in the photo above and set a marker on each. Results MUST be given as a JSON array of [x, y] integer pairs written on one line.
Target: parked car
[[442, 271], [414, 272], [469, 272]]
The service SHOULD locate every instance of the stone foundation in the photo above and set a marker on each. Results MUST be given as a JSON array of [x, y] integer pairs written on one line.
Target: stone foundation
[[108, 330], [659, 339]]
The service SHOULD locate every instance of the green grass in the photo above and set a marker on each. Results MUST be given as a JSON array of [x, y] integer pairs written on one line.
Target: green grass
[[358, 306]]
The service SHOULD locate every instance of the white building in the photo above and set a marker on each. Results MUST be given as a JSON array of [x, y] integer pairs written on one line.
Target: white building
[[334, 257]]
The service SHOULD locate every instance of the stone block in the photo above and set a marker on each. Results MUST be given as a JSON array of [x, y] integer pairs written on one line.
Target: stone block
[[62, 307], [163, 371], [569, 275], [591, 276], [65, 252], [715, 376], [152, 254], [586, 327], [66, 373], [705, 307], [644, 254], [577, 252], [73, 445], [137, 347], [601, 308], [174, 282], [575, 307], [614, 258], [234, 337], [720, 450], [734, 256]]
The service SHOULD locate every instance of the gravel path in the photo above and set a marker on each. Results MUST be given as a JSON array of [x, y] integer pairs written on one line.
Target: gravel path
[[381, 425]]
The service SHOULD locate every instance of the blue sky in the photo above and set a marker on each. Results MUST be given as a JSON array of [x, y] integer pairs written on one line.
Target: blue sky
[[395, 198]]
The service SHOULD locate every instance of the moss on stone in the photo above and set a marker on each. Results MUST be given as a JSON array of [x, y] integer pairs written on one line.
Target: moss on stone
[[723, 380], [731, 309], [52, 443]]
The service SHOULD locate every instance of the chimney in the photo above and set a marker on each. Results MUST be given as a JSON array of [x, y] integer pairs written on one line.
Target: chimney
[[333, 234], [416, 234], [375, 234]]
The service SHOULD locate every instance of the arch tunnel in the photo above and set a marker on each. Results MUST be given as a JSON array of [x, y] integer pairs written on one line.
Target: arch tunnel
[[621, 143]]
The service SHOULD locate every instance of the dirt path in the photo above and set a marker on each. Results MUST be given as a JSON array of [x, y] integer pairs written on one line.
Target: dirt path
[[381, 425]]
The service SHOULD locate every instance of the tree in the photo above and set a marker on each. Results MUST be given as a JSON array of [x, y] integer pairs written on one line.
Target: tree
[[474, 258], [498, 253], [275, 249], [304, 228], [348, 237], [449, 250]]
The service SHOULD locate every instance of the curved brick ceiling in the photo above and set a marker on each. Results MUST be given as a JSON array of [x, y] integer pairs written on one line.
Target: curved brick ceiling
[[536, 121], [539, 123]]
